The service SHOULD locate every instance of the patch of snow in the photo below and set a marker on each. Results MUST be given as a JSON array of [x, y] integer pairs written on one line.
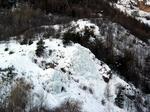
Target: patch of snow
[[75, 68], [127, 7], [81, 24]]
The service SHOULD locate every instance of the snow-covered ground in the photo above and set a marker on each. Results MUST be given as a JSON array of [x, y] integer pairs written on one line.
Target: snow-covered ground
[[75, 68], [65, 73], [129, 7]]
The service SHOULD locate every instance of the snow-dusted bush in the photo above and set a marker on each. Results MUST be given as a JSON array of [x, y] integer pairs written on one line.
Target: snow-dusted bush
[[49, 32], [8, 74], [71, 36], [26, 41], [69, 106], [119, 100], [82, 32], [135, 13]]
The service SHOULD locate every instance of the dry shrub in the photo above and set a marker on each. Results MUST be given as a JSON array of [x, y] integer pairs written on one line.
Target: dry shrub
[[19, 97], [69, 106]]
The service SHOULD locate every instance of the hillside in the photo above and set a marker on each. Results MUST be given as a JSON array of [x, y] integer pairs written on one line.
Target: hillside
[[64, 72], [133, 8], [68, 73], [74, 56]]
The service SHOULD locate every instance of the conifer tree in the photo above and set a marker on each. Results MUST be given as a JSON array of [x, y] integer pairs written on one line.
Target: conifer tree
[[40, 48]]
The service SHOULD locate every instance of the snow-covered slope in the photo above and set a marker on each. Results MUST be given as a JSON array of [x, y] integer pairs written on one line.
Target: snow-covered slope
[[73, 68], [69, 72], [131, 8]]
